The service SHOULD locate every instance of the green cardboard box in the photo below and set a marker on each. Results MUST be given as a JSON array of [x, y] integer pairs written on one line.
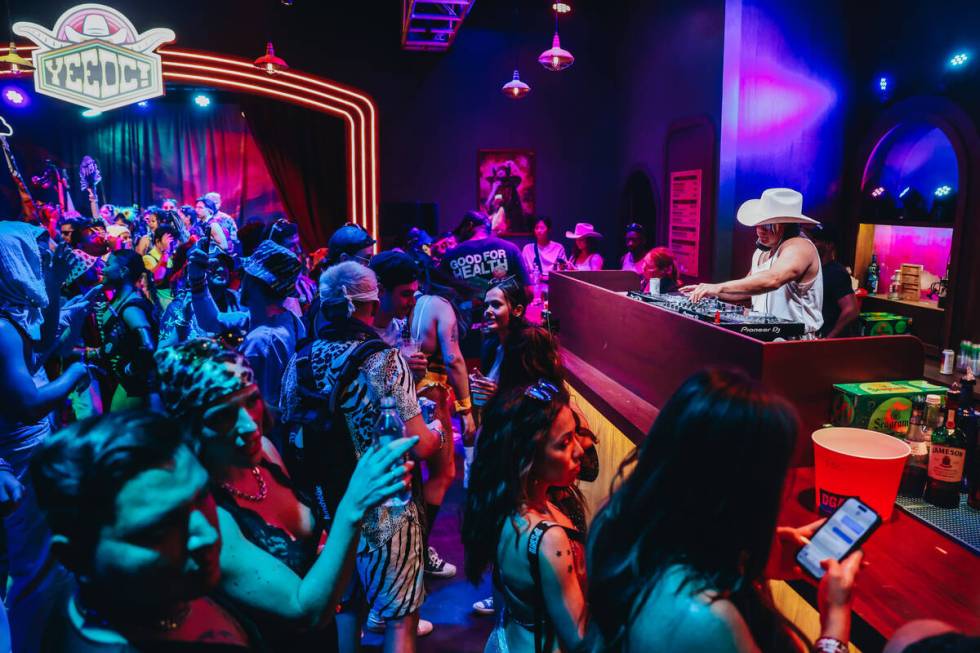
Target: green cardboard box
[[883, 406], [883, 324]]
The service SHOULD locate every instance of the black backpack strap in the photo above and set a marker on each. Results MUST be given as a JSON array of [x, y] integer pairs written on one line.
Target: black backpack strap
[[544, 631], [328, 456]]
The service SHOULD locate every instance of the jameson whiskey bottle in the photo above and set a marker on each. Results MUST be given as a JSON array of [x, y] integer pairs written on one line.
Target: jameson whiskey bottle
[[947, 457]]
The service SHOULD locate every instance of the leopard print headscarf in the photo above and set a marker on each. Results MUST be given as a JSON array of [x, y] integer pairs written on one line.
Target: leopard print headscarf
[[196, 373]]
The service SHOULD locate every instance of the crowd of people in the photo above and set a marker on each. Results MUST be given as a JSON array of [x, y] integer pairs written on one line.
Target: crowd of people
[[189, 457]]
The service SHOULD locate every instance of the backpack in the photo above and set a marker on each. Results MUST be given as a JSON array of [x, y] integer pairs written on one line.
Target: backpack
[[320, 452]]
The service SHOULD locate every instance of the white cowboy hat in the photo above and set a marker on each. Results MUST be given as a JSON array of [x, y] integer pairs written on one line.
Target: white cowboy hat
[[583, 230], [777, 205]]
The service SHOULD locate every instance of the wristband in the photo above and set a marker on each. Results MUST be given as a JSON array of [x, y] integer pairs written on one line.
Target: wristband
[[463, 405], [5, 466], [829, 645], [438, 429]]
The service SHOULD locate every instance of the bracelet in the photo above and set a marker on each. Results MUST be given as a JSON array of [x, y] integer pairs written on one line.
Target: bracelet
[[463, 405], [5, 466], [829, 645], [441, 432]]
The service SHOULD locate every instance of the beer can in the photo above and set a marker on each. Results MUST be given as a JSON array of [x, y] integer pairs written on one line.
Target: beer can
[[947, 362]]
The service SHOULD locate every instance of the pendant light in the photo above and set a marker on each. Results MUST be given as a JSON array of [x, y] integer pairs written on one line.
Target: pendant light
[[557, 58], [269, 62], [515, 89], [12, 63]]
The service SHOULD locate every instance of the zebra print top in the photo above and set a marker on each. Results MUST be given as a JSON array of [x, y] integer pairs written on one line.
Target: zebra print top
[[385, 373]]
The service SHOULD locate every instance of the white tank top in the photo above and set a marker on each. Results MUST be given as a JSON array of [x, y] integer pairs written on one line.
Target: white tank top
[[796, 301]]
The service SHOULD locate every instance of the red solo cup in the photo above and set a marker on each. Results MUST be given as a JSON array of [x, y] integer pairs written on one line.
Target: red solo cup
[[857, 463]]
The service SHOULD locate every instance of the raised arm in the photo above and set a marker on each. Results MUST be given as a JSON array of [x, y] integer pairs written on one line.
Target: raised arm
[[23, 400], [257, 579], [205, 309]]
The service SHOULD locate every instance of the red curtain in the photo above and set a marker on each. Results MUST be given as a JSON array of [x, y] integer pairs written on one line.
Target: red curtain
[[305, 153], [174, 150]]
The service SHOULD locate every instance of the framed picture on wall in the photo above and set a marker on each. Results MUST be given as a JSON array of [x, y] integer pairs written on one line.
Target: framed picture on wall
[[505, 188]]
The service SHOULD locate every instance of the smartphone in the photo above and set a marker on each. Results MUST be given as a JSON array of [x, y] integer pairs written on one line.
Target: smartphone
[[844, 532]]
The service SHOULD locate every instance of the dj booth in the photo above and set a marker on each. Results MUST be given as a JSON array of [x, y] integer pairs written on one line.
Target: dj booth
[[630, 353], [626, 356]]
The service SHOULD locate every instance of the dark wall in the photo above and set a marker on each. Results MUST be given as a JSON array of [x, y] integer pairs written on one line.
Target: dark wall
[[669, 67]]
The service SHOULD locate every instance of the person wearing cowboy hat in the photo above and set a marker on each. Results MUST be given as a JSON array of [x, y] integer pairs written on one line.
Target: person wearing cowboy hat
[[786, 279], [584, 255]]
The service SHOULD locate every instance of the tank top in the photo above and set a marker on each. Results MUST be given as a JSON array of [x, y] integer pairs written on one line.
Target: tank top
[[297, 554], [796, 301]]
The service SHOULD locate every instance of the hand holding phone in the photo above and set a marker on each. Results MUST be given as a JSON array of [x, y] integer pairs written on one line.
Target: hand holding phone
[[843, 533]]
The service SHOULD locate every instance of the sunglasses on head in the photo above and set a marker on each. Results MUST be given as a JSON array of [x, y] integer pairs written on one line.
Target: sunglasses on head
[[542, 390], [497, 282]]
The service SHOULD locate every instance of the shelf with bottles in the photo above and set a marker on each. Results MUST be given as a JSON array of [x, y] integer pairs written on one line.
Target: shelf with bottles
[[891, 246], [928, 304]]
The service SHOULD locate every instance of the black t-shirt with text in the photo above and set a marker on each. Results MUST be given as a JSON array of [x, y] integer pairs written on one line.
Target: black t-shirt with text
[[477, 262]]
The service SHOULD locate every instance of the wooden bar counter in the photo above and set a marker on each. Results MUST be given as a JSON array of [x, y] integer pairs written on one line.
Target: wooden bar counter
[[625, 358]]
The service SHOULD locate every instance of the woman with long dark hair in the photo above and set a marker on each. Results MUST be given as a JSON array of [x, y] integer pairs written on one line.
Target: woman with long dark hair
[[529, 445], [679, 556], [515, 352], [128, 325]]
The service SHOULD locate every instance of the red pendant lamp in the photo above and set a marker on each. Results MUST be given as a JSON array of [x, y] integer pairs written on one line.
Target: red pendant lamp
[[556, 58], [269, 62]]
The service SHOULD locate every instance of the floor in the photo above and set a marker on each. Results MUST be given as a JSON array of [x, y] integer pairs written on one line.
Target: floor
[[449, 603]]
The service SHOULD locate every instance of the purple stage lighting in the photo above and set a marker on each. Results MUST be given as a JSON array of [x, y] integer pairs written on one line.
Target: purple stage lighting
[[15, 97]]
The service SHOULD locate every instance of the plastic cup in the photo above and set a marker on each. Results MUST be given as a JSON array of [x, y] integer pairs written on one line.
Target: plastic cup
[[857, 463]]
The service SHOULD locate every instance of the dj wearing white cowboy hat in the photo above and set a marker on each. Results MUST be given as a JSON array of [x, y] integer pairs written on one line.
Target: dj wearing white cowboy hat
[[786, 279]]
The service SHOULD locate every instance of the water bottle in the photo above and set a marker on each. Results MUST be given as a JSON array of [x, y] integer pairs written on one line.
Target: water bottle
[[536, 287], [391, 427], [428, 408]]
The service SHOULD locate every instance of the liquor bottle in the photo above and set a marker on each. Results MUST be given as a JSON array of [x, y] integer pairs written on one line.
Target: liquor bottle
[[962, 359], [920, 432], [871, 279], [895, 287], [943, 291], [391, 427], [966, 419], [947, 456]]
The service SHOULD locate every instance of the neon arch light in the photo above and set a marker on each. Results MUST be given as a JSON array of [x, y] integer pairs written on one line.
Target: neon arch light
[[356, 109]]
